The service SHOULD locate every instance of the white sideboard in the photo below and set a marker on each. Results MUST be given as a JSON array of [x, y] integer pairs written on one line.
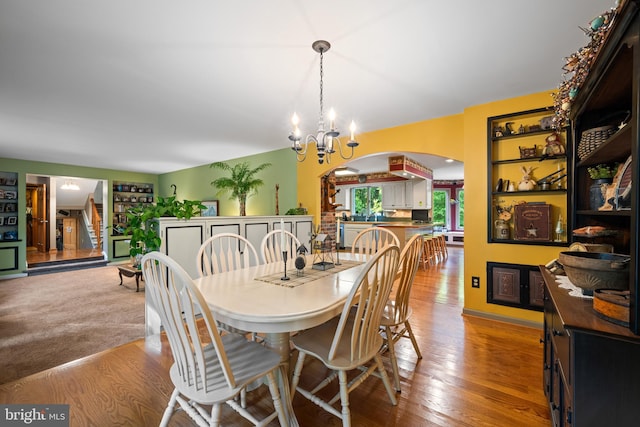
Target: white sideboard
[[181, 239]]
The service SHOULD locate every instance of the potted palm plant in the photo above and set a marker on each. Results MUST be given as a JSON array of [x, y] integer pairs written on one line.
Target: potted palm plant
[[241, 183]]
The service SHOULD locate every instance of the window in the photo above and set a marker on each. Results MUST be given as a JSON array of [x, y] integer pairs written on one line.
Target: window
[[366, 200], [460, 208], [441, 208]]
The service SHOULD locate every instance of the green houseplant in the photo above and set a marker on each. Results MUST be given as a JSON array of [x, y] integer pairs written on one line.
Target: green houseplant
[[143, 226], [602, 175], [242, 182], [602, 171]]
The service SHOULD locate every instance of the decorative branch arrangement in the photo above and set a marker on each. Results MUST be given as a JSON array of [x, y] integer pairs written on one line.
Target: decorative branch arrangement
[[579, 64]]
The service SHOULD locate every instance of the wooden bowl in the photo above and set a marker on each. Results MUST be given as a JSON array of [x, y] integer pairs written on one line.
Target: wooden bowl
[[596, 270]]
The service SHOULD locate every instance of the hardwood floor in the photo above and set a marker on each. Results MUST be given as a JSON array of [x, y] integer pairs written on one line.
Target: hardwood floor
[[34, 258], [474, 372]]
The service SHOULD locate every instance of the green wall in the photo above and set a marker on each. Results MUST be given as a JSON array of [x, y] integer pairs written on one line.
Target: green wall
[[24, 167], [195, 184], [192, 184]]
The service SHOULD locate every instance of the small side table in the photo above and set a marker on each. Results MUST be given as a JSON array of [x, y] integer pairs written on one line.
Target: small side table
[[130, 271]]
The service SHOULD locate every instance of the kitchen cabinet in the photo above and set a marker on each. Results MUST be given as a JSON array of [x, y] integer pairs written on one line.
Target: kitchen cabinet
[[351, 230], [516, 142], [397, 195], [422, 193]]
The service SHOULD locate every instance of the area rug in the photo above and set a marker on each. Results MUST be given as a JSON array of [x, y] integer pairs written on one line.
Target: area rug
[[52, 319]]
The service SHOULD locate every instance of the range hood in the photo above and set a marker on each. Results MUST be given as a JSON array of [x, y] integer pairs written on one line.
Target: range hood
[[408, 168]]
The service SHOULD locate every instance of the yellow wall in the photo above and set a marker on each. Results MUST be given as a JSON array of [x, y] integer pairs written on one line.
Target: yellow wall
[[441, 136], [461, 137]]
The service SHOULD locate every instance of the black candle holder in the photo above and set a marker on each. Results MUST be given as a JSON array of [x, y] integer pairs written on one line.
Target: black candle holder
[[284, 259]]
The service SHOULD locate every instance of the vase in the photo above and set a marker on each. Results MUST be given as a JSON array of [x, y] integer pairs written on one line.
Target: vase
[[137, 260], [596, 198]]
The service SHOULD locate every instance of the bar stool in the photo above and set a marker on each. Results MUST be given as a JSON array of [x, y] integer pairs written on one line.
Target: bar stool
[[445, 250], [441, 243], [428, 252], [440, 247]]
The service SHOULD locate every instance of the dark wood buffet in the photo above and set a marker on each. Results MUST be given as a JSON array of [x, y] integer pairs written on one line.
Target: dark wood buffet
[[591, 365]]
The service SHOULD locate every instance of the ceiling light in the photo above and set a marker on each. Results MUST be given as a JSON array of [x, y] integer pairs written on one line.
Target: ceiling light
[[345, 171], [449, 160], [325, 141], [70, 185]]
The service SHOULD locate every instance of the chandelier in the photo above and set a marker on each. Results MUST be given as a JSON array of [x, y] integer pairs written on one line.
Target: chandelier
[[326, 141]]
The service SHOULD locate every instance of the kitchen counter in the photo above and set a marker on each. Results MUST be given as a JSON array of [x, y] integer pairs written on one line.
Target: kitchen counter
[[388, 223], [404, 230]]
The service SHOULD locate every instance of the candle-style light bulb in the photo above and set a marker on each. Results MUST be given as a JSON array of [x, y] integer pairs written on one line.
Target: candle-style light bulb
[[296, 131], [352, 128], [332, 119]]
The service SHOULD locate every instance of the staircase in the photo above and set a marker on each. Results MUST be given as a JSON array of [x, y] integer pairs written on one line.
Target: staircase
[[95, 227], [95, 241]]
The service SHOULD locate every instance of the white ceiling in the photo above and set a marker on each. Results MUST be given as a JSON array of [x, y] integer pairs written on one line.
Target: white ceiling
[[158, 86]]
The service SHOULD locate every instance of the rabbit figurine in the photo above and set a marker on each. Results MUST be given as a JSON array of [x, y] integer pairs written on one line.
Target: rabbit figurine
[[527, 183]]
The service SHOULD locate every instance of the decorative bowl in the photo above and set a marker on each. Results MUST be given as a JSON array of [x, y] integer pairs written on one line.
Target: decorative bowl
[[596, 270]]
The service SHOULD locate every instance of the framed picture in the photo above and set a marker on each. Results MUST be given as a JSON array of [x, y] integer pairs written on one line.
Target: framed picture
[[11, 181], [211, 208], [10, 194], [1, 220], [12, 220], [10, 207], [1, 207], [533, 222]]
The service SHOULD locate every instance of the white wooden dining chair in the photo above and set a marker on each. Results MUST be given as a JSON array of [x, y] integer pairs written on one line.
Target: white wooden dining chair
[[208, 369], [396, 314], [225, 252], [271, 248], [351, 340], [371, 240]]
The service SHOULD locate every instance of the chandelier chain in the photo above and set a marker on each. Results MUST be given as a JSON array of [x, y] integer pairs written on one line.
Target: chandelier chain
[[321, 86]]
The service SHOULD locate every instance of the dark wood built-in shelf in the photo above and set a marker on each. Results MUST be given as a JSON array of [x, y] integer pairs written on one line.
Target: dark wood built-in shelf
[[516, 193], [528, 159]]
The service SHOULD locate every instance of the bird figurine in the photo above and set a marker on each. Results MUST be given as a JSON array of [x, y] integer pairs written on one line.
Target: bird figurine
[[301, 259]]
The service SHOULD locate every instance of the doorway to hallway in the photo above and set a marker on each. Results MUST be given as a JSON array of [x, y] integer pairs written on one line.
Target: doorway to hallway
[[64, 218]]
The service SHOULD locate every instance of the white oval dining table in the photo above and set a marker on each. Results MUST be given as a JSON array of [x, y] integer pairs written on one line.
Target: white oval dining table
[[240, 299]]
